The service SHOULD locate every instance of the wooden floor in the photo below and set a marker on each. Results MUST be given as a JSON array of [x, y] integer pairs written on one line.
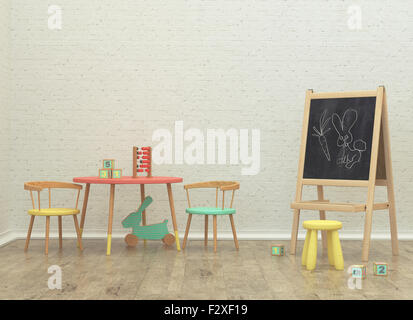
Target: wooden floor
[[157, 272]]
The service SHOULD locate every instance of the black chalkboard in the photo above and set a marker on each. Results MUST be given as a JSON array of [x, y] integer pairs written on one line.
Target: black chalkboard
[[339, 138]]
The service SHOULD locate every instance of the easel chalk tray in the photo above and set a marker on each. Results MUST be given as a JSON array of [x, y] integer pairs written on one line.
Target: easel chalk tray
[[345, 142]]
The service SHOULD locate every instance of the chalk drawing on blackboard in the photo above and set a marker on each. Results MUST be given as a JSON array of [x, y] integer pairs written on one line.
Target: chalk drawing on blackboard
[[320, 133], [348, 155]]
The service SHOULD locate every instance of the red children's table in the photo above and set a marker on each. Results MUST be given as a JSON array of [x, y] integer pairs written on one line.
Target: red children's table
[[128, 180]]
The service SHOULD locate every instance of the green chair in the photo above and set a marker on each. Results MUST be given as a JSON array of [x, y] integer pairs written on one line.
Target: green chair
[[212, 211]]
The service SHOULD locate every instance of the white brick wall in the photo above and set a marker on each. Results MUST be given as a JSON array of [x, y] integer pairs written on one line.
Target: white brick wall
[[4, 111], [118, 70]]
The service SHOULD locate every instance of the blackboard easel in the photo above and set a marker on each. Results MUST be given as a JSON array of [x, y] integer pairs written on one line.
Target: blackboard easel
[[379, 173]]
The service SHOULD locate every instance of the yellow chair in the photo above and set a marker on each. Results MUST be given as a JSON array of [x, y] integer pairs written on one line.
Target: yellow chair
[[48, 212], [212, 211], [335, 255]]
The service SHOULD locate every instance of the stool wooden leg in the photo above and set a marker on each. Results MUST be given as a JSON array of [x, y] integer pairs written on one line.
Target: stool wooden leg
[[338, 254], [188, 225], [305, 249], [312, 251], [29, 233], [330, 248]]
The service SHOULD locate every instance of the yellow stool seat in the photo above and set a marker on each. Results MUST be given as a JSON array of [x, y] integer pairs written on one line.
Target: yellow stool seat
[[322, 224], [53, 212], [335, 255]]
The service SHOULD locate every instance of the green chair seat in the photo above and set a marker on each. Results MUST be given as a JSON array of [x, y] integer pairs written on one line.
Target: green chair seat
[[210, 210]]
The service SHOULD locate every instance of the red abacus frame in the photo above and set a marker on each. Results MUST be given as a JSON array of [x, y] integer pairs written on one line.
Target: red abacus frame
[[142, 161]]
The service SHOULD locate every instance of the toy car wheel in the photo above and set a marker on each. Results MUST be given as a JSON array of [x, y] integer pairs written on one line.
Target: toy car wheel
[[169, 239], [131, 240]]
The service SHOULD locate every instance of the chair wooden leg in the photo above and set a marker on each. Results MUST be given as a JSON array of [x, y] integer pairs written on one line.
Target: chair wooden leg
[[215, 233], [79, 236], [47, 235], [29, 233], [234, 233], [188, 224], [206, 231], [60, 233]]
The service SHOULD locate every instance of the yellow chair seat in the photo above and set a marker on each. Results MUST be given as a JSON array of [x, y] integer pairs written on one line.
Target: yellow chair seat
[[322, 225], [53, 212]]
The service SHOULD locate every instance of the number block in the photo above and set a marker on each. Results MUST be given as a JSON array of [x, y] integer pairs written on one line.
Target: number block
[[108, 163], [116, 173], [380, 269], [278, 250], [105, 173], [358, 271]]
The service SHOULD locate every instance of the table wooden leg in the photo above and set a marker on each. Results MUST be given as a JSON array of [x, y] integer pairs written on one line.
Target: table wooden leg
[[85, 200], [142, 187], [171, 205], [111, 205]]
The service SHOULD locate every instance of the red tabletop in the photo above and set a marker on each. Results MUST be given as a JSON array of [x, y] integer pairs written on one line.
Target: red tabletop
[[128, 180]]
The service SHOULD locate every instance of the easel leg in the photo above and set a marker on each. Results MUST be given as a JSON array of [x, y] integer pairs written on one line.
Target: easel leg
[[171, 205], [389, 176], [320, 195], [294, 232], [111, 205], [393, 227], [367, 234], [142, 187]]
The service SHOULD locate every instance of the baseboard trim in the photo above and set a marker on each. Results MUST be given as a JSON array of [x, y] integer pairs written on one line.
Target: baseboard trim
[[9, 236]]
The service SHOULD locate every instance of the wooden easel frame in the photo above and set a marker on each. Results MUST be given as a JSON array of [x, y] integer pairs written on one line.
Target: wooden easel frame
[[380, 174]]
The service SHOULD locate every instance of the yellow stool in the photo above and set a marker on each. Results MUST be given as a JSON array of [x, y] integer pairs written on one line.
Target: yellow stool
[[335, 255]]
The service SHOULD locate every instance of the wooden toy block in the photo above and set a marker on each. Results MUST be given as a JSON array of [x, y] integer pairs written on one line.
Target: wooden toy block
[[380, 269], [358, 271], [108, 163], [278, 250], [105, 173], [116, 173]]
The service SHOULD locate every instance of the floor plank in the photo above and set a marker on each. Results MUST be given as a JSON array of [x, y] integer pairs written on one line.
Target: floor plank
[[154, 271]]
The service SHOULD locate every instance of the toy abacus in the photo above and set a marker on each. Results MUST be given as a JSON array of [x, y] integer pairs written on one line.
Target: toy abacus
[[142, 161]]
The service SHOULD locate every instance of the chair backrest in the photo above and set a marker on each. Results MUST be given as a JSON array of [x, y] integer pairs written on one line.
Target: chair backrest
[[40, 185], [218, 185]]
